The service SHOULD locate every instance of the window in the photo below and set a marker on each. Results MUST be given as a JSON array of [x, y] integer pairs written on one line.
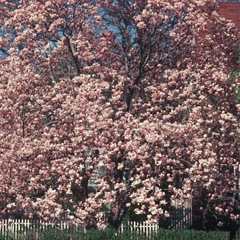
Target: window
[[234, 170]]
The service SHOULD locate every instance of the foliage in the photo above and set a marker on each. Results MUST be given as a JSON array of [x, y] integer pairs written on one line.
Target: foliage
[[109, 234], [123, 104], [54, 234], [101, 234], [192, 234]]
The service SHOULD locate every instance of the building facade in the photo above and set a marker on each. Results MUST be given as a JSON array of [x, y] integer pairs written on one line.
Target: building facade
[[230, 10]]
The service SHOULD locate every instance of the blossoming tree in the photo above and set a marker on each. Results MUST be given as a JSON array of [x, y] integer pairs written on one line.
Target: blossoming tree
[[115, 104]]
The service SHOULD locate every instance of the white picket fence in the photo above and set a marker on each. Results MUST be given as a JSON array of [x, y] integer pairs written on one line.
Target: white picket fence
[[18, 228], [142, 228]]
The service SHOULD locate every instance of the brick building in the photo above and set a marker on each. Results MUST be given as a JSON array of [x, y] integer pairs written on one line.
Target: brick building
[[230, 10]]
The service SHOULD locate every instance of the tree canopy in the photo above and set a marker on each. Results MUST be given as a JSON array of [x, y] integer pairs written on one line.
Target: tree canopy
[[118, 104]]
